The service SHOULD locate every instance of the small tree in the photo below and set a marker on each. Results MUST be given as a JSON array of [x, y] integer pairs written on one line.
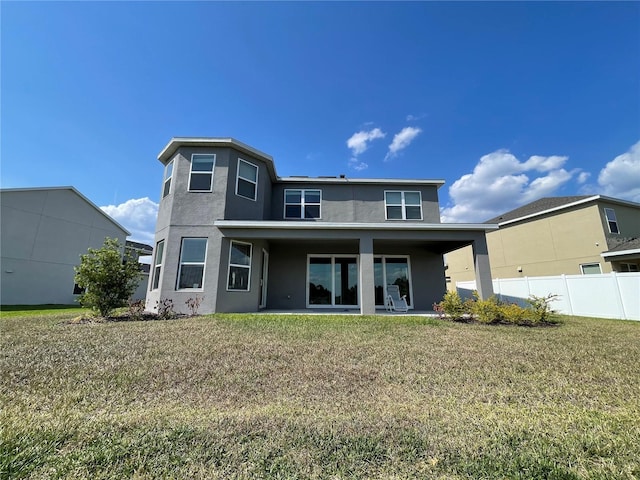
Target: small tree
[[108, 278]]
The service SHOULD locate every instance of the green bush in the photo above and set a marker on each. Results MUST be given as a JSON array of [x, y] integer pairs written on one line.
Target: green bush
[[108, 279], [453, 306], [487, 311], [493, 310], [514, 313], [540, 307]]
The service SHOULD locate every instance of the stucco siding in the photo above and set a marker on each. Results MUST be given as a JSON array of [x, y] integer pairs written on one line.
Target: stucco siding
[[43, 234], [346, 202]]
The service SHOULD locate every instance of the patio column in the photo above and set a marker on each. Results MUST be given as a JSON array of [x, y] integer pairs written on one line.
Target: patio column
[[484, 283], [366, 280]]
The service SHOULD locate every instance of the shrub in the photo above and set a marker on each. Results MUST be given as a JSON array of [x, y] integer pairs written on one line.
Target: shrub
[[540, 307], [136, 309], [486, 311], [164, 307], [109, 279], [513, 313], [193, 304], [453, 306]]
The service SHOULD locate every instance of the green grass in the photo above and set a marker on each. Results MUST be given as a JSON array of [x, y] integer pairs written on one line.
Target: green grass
[[248, 396], [40, 310]]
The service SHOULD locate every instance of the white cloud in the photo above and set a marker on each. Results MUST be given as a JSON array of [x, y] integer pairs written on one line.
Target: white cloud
[[620, 177], [583, 177], [500, 182], [357, 165], [138, 215], [412, 118], [401, 141], [359, 141]]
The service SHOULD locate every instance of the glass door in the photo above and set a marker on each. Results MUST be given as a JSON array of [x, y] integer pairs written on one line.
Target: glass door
[[391, 270], [332, 281]]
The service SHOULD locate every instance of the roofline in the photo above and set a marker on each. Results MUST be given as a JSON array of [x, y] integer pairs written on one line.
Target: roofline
[[176, 142], [572, 204], [620, 253], [73, 189], [298, 225], [370, 181]]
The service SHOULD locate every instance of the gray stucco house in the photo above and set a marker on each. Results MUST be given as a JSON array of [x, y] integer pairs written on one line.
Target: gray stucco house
[[233, 233], [43, 232]]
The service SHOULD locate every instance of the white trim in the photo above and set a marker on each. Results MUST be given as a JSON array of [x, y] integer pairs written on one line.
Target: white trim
[[203, 263], [229, 265], [333, 280], [403, 205], [202, 172], [293, 225], [255, 192], [302, 203], [621, 253]]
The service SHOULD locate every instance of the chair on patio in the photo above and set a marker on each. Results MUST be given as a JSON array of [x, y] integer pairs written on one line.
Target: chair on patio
[[395, 302]]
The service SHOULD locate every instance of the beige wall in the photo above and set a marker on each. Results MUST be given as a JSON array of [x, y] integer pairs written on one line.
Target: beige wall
[[552, 244]]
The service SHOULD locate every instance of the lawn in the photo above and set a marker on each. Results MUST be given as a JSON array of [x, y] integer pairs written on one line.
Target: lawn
[[249, 396]]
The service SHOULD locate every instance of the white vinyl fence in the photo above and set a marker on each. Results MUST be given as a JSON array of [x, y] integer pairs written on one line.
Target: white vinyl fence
[[609, 295]]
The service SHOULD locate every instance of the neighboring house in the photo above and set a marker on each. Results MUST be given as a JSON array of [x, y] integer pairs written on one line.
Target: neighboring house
[[43, 232], [559, 235], [234, 234]]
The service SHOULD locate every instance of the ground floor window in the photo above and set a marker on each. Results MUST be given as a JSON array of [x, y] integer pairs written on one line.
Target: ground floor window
[[332, 280], [239, 266], [628, 267], [590, 268], [392, 270], [192, 260]]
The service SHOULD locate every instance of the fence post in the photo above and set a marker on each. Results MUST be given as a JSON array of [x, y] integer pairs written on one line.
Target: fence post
[[567, 294], [616, 285]]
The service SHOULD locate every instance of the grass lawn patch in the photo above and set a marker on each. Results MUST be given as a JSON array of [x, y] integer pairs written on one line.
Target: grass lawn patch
[[268, 396]]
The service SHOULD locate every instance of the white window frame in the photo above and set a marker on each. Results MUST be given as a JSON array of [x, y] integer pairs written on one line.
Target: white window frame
[[302, 203], [255, 184], [248, 289], [192, 173], [157, 265], [582, 265], [203, 263], [333, 279], [166, 189], [402, 205], [610, 216]]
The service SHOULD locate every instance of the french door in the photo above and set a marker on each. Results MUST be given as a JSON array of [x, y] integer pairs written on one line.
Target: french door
[[392, 270], [332, 280]]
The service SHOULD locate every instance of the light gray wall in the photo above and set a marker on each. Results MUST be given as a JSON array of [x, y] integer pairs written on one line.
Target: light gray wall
[[288, 271], [349, 202], [42, 236]]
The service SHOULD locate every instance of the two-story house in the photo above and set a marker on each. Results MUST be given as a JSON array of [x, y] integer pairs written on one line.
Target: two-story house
[[233, 233], [577, 235]]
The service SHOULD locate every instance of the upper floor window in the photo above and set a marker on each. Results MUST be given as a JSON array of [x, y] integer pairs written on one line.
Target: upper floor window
[[201, 176], [239, 266], [611, 220], [247, 180], [403, 205], [302, 203], [192, 259], [168, 173], [157, 266]]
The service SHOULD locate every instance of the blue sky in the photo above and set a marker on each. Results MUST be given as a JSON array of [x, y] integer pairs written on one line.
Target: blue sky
[[507, 102]]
